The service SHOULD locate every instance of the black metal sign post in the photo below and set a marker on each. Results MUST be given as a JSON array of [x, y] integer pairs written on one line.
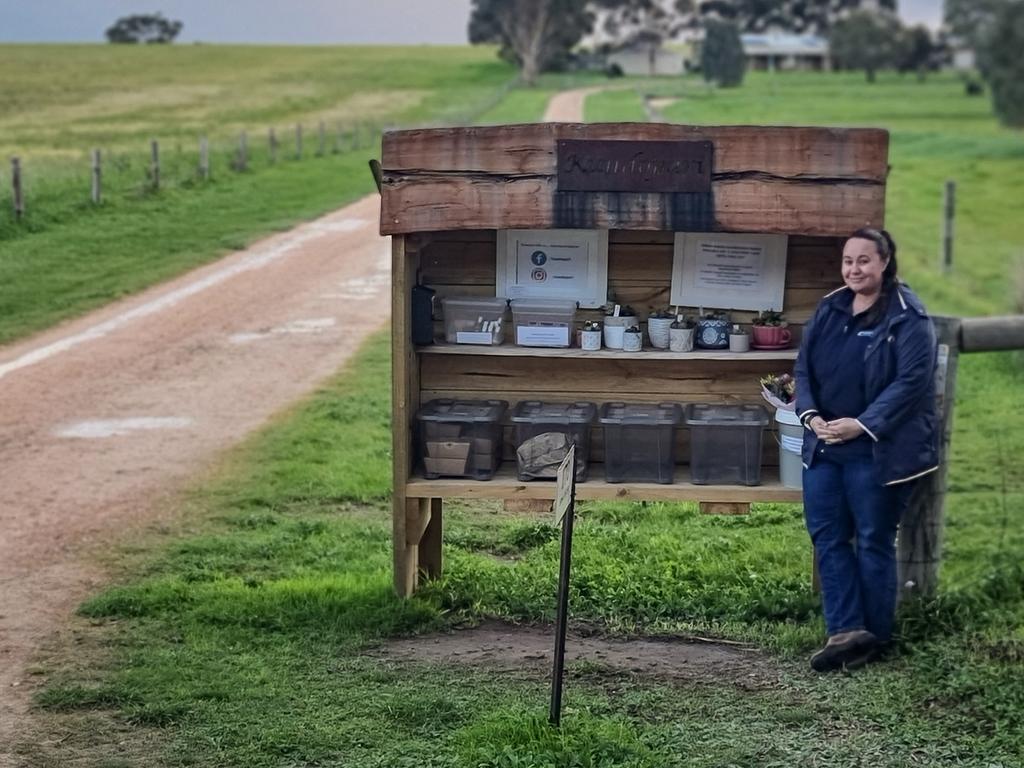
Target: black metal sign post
[[564, 508]]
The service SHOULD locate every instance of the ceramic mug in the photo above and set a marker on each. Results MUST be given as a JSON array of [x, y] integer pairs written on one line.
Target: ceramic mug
[[771, 336]]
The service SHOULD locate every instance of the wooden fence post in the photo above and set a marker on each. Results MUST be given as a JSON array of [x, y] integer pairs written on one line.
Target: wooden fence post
[[204, 158], [272, 145], [298, 141], [154, 164], [242, 162], [97, 178], [948, 216], [920, 536], [321, 147], [19, 198], [336, 141]]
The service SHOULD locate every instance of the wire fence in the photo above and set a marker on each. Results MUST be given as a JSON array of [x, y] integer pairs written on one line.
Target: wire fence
[[40, 192]]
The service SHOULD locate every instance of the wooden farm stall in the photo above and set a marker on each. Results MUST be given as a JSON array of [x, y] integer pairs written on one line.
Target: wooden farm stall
[[448, 193]]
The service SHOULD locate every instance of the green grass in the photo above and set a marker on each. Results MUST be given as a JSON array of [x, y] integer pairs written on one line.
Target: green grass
[[615, 106], [239, 643], [68, 256]]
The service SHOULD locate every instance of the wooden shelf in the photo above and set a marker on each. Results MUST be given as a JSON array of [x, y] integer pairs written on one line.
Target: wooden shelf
[[511, 350], [505, 485]]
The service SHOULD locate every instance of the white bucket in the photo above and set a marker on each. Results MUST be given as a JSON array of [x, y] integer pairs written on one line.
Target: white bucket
[[791, 440]]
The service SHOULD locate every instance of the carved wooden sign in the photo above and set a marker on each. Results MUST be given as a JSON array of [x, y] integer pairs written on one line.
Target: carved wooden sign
[[633, 166]]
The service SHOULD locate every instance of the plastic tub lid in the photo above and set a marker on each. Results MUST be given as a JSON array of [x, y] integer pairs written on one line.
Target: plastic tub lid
[[537, 412], [476, 303], [544, 305], [647, 414], [787, 417], [462, 411], [703, 414]]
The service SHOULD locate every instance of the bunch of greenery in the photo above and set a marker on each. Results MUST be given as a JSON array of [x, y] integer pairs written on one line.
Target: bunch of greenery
[[772, 318]]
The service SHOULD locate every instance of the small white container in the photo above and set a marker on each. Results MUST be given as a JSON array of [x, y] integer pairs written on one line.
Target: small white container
[[739, 341], [590, 340], [614, 328], [543, 322]]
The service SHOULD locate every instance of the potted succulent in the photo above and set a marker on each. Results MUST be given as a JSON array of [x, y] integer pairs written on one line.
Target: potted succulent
[[713, 330], [739, 339], [771, 330], [658, 325], [632, 339], [590, 336], [616, 321], [680, 334]]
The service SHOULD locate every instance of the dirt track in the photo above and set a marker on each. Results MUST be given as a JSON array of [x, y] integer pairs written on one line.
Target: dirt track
[[104, 419]]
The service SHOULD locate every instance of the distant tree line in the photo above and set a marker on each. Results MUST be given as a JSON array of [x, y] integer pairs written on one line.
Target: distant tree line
[[539, 35], [994, 30], [144, 28]]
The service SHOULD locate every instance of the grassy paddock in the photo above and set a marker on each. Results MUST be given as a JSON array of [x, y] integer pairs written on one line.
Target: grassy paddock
[[238, 644], [68, 256]]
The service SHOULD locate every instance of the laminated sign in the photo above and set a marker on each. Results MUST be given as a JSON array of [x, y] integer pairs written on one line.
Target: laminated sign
[[565, 485]]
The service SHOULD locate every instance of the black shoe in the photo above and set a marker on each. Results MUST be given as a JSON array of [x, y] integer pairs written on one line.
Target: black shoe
[[869, 655], [843, 648]]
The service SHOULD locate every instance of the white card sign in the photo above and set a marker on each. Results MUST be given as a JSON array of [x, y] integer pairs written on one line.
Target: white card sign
[[553, 264], [728, 270]]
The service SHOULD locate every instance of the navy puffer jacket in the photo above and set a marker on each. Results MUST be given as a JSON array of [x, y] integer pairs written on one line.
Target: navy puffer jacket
[[899, 380]]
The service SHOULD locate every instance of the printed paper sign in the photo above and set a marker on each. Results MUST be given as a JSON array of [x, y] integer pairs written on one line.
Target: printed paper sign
[[553, 264], [729, 271]]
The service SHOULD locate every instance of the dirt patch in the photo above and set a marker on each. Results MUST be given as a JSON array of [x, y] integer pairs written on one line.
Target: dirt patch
[[662, 103], [528, 650]]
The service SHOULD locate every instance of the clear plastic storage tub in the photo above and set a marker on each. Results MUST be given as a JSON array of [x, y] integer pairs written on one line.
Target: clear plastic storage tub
[[544, 432], [725, 443], [460, 438], [639, 441], [474, 319], [543, 322]]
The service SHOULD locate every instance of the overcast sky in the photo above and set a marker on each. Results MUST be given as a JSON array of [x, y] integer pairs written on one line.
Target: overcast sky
[[279, 21]]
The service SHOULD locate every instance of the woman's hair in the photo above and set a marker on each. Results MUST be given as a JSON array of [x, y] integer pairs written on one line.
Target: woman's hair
[[887, 250]]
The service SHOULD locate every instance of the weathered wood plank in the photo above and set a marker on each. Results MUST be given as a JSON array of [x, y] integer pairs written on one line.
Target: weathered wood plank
[[506, 486], [754, 205], [530, 149], [815, 181], [474, 263]]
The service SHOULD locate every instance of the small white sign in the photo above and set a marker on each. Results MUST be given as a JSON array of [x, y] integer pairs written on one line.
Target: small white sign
[[542, 336], [728, 270], [564, 484], [553, 264], [473, 337]]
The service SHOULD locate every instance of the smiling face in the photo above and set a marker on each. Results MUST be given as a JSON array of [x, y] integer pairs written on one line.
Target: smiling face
[[863, 266]]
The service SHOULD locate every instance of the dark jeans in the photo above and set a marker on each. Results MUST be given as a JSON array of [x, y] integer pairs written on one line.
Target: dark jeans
[[852, 520]]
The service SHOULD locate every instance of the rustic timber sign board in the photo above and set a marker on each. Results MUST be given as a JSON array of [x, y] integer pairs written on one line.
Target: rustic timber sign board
[[634, 166], [806, 181]]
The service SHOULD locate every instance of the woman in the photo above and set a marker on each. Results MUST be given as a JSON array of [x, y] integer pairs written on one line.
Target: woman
[[865, 394]]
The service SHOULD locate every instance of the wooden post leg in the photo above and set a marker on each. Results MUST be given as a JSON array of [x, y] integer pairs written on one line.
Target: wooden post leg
[[430, 544], [920, 534], [405, 554]]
